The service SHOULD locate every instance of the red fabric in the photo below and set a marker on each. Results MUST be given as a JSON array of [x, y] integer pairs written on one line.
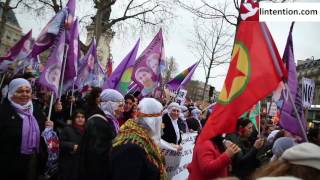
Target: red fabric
[[256, 63], [208, 162], [81, 128], [121, 121]]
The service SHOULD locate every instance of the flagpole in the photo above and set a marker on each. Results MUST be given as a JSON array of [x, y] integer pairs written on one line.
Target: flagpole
[[72, 92], [50, 106], [296, 112], [259, 119], [2, 79], [66, 47]]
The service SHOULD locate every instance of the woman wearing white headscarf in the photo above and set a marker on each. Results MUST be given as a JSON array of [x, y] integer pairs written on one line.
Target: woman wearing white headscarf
[[100, 130], [173, 125], [20, 133], [136, 154], [194, 122]]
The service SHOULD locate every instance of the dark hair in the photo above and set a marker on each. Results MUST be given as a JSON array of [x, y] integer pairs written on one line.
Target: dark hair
[[28, 75], [93, 95], [129, 96], [78, 111], [218, 140], [242, 122], [313, 134]]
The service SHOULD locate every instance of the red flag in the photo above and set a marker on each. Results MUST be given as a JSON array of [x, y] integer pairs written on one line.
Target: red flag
[[255, 71], [109, 67]]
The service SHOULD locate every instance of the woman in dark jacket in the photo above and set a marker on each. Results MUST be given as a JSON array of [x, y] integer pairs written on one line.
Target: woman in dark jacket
[[173, 125], [249, 151], [101, 129], [92, 102], [70, 140], [20, 132]]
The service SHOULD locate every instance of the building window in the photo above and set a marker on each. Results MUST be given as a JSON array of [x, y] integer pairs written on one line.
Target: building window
[[8, 37]]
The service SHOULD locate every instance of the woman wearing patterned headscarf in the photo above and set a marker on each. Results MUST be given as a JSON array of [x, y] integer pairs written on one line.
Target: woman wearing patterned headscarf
[[20, 132], [136, 154], [100, 130]]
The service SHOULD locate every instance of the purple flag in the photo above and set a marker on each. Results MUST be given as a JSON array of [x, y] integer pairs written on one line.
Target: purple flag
[[91, 70], [72, 57], [49, 33], [50, 77], [182, 79], [71, 6], [121, 76], [149, 66], [289, 120], [19, 51]]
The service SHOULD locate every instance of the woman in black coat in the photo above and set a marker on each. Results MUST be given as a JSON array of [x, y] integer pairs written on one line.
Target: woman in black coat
[[70, 138], [21, 125], [101, 128], [173, 125]]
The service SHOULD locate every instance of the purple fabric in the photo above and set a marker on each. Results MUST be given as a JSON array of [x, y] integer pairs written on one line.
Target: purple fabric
[[20, 49], [30, 132], [183, 78], [114, 122], [71, 6], [50, 76], [149, 66], [116, 76], [17, 54], [288, 119], [72, 57], [48, 34], [91, 72]]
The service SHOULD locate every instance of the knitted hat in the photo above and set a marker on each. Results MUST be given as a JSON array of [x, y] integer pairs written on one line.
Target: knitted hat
[[282, 144], [305, 154]]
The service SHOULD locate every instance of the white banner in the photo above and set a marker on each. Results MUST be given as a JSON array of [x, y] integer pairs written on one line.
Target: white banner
[[177, 162], [308, 87], [273, 108]]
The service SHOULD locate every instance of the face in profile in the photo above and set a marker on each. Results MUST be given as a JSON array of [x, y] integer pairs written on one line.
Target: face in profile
[[248, 129]]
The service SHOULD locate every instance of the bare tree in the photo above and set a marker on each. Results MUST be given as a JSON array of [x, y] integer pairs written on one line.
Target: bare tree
[[170, 69], [112, 16], [212, 45], [6, 6], [208, 9]]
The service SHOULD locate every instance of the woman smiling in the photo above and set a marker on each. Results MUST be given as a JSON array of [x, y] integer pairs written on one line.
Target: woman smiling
[[20, 131]]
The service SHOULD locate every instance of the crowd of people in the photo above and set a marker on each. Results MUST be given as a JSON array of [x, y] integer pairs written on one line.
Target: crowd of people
[[105, 135]]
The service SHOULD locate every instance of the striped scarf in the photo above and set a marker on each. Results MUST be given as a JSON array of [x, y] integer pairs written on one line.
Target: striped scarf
[[132, 133]]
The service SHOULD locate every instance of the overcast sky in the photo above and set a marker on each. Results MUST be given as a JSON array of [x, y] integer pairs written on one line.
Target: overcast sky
[[306, 38]]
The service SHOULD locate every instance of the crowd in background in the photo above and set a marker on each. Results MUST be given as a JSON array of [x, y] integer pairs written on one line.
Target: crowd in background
[[105, 135]]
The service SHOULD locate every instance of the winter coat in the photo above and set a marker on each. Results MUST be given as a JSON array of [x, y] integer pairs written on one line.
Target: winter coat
[[13, 164], [169, 133], [95, 148], [208, 162], [69, 159]]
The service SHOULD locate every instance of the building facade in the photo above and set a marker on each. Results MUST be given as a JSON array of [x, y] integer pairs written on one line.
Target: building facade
[[310, 68], [195, 91], [12, 32]]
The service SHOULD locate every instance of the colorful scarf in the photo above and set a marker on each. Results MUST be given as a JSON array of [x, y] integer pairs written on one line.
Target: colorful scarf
[[132, 133]]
